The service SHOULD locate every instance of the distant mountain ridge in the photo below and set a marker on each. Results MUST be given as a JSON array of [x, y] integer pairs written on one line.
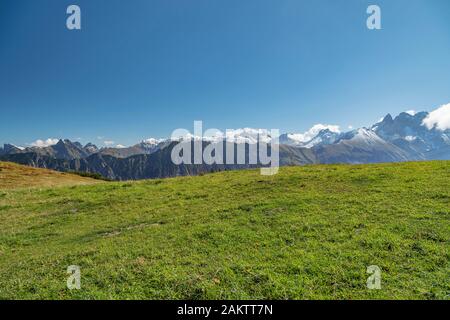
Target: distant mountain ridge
[[68, 150], [403, 138], [63, 149]]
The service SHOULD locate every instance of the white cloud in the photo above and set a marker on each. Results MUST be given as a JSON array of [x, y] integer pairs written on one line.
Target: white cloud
[[411, 112], [44, 143], [350, 127], [120, 146], [108, 142], [152, 141], [311, 133], [439, 118]]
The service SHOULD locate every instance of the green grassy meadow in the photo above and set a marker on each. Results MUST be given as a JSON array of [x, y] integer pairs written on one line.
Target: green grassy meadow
[[306, 233]]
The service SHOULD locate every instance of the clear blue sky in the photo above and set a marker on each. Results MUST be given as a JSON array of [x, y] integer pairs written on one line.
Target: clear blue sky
[[142, 68]]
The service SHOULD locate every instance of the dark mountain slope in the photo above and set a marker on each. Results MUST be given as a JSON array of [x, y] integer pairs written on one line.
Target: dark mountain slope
[[360, 146], [156, 165]]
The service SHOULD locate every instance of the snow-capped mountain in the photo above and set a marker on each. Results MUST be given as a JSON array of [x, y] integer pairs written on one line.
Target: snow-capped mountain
[[318, 134], [151, 142], [151, 145], [407, 137], [363, 136], [242, 135], [411, 133], [359, 146], [324, 137]]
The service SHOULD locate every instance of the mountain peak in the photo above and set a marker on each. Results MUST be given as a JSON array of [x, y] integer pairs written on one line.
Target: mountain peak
[[151, 141], [62, 143], [90, 144], [10, 148], [388, 118], [66, 149], [405, 115], [90, 148]]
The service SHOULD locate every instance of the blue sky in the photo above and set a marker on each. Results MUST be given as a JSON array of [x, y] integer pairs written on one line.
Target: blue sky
[[143, 68]]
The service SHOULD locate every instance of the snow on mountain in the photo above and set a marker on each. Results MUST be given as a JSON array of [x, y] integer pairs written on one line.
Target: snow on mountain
[[317, 134], [152, 141], [10, 148], [420, 134], [410, 135], [410, 138], [360, 146], [362, 135], [248, 135], [242, 135], [324, 137]]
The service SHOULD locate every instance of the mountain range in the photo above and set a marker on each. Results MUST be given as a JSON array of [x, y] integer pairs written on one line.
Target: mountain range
[[407, 137]]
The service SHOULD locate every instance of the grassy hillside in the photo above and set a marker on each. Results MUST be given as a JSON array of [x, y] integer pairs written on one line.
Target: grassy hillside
[[307, 233], [14, 176]]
